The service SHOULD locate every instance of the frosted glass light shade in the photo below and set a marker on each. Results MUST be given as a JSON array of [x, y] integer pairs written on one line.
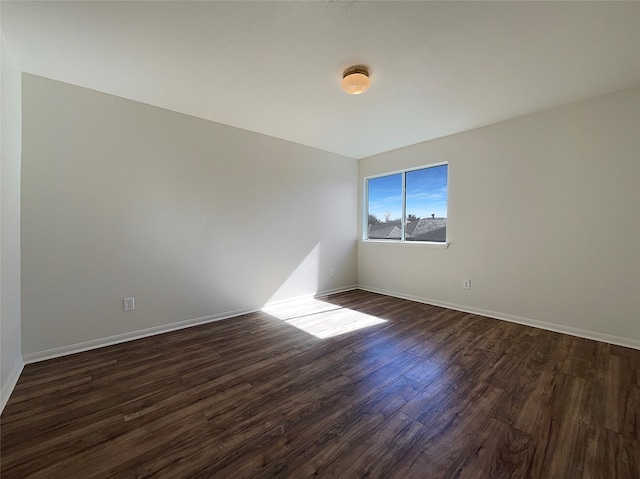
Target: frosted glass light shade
[[356, 81]]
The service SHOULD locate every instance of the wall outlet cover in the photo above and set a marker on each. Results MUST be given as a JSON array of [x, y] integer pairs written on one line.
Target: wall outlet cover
[[129, 304]]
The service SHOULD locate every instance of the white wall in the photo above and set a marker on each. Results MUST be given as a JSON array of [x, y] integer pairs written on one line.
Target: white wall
[[544, 218], [192, 218], [197, 219], [10, 119]]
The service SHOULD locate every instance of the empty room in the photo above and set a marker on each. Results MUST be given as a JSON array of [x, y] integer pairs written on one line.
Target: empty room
[[271, 239]]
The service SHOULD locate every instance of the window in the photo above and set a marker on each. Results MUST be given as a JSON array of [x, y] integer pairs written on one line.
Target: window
[[409, 205]]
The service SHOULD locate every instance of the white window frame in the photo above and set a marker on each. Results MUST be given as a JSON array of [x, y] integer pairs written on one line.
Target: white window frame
[[402, 240]]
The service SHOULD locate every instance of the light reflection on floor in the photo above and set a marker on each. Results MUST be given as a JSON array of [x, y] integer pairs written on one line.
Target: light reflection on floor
[[320, 318]]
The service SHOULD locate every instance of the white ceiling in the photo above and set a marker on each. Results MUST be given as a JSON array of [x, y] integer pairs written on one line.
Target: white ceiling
[[437, 68]]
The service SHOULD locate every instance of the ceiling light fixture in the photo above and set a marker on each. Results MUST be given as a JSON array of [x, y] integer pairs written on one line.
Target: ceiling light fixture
[[355, 80]]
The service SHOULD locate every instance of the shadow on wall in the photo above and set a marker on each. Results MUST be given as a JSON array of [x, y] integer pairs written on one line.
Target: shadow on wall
[[314, 274], [304, 277]]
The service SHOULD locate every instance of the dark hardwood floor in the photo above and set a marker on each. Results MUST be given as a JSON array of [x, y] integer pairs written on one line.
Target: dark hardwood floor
[[428, 393]]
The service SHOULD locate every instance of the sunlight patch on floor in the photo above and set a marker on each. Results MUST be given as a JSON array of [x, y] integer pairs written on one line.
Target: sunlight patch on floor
[[320, 318]]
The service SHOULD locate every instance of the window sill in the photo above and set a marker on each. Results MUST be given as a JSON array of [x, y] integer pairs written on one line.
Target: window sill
[[426, 244]]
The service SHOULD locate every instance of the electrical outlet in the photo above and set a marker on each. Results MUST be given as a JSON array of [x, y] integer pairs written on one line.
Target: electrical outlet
[[129, 304], [333, 272], [466, 283]]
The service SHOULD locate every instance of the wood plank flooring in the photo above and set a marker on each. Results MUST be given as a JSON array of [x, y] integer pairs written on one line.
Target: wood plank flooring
[[425, 393]]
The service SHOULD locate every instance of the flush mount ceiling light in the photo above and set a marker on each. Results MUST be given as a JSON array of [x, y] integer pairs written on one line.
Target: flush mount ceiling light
[[355, 80]]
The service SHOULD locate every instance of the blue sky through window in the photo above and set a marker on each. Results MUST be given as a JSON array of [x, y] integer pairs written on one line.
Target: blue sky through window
[[385, 196], [426, 192]]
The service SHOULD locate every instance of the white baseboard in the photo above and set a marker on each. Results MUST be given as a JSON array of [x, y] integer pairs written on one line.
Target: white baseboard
[[143, 333], [131, 336], [311, 295], [558, 328], [10, 384], [336, 290], [121, 338]]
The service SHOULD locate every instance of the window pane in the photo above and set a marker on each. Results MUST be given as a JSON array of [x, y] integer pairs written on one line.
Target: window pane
[[426, 200], [385, 207]]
